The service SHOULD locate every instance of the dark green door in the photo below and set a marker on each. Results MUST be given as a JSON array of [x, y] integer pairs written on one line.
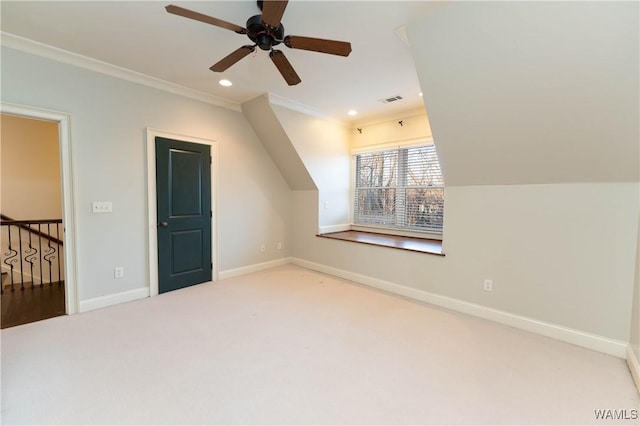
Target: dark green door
[[183, 182]]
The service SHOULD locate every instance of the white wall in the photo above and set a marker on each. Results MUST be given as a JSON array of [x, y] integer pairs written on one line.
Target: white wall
[[531, 92], [260, 115], [561, 254], [108, 121], [31, 187], [415, 125], [634, 336], [323, 147], [534, 111]]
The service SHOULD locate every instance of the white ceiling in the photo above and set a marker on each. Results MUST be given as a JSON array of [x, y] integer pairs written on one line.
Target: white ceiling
[[143, 37]]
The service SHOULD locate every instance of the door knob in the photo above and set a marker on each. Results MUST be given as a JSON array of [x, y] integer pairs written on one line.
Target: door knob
[[164, 224]]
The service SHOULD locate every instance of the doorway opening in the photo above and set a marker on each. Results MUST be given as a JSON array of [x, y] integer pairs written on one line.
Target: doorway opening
[[37, 239]]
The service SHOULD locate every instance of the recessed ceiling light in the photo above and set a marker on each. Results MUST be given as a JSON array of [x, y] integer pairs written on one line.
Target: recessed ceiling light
[[420, 94], [225, 83], [352, 112]]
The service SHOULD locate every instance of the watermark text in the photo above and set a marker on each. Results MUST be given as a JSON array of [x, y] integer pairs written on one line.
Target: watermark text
[[608, 414]]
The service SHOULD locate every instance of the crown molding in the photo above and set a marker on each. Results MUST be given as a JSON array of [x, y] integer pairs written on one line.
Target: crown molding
[[40, 49], [301, 108]]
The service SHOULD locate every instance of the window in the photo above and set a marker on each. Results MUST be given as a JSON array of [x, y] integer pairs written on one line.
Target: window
[[399, 188]]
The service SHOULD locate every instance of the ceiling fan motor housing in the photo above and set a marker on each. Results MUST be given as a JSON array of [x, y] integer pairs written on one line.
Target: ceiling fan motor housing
[[264, 37]]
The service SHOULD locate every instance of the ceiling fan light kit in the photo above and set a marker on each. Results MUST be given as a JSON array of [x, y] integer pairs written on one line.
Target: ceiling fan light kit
[[266, 31]]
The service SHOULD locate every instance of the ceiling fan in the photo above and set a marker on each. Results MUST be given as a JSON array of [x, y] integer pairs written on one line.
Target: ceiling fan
[[266, 31]]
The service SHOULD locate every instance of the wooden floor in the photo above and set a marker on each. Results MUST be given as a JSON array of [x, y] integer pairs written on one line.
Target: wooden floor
[[32, 304]]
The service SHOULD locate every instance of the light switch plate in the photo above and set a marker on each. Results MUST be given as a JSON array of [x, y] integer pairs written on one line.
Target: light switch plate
[[101, 207]]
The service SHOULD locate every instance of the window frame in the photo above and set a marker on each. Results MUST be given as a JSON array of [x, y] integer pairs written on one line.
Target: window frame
[[381, 229]]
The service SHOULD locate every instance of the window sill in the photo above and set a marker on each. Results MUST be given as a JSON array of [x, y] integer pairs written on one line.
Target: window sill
[[420, 245]]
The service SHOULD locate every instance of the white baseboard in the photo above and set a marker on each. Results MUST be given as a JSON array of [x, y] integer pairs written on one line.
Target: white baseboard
[[112, 299], [634, 366], [141, 293], [230, 273], [591, 341]]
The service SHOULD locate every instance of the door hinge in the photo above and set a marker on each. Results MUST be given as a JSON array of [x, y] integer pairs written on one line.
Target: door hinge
[[210, 159], [210, 213], [212, 266]]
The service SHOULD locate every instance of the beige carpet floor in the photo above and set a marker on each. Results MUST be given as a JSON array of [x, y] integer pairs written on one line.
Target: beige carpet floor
[[292, 346]]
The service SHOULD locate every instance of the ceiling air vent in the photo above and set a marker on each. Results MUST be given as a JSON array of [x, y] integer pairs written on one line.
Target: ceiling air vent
[[391, 99]]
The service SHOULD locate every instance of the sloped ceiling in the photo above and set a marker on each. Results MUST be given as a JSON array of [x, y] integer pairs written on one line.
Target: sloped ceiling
[[531, 92], [260, 115]]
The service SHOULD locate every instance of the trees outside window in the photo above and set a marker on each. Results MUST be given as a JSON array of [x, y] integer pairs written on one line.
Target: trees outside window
[[399, 188]]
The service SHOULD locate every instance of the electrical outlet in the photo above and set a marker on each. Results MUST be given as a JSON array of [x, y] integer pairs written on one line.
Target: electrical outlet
[[263, 248], [118, 272], [279, 245], [488, 285]]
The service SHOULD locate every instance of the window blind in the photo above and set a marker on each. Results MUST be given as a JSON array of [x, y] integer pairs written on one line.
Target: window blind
[[399, 188]]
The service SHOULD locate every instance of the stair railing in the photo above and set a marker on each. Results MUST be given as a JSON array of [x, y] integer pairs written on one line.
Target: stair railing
[[31, 253]]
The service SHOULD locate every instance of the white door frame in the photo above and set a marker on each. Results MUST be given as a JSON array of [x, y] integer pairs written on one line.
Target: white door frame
[[68, 205], [152, 202]]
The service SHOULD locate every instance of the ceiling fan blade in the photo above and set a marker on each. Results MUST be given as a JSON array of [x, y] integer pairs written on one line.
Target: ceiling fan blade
[[180, 11], [272, 11], [232, 58], [332, 47], [285, 68]]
